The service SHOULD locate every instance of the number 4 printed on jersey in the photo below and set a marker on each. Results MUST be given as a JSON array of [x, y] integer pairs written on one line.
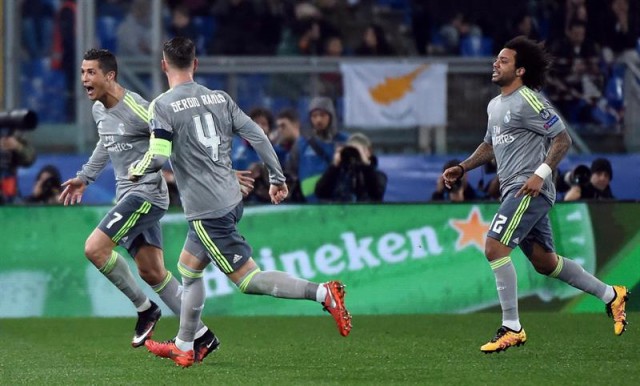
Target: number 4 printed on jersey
[[207, 134]]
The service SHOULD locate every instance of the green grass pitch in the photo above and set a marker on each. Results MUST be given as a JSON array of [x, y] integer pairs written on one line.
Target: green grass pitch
[[563, 349]]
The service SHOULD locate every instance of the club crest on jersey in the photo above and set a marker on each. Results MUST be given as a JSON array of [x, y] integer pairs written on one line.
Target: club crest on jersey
[[507, 116], [545, 114]]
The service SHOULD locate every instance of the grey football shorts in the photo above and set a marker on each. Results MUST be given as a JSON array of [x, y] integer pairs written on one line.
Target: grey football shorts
[[219, 241], [521, 222], [132, 223]]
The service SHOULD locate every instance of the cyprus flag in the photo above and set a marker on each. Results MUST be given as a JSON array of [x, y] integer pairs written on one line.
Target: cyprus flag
[[394, 95]]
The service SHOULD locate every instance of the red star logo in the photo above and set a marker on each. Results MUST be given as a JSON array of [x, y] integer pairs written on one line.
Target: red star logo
[[471, 231]]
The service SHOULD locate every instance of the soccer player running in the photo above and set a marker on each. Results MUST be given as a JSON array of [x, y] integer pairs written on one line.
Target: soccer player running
[[194, 126], [121, 118], [528, 139]]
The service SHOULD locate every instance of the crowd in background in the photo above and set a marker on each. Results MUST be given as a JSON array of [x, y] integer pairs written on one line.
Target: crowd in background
[[586, 37]]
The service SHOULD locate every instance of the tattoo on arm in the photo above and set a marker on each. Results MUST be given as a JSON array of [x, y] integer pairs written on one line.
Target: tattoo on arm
[[482, 155], [559, 147]]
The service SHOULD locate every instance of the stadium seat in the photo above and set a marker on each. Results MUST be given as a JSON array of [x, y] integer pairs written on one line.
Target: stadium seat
[[106, 31], [476, 46], [613, 90], [206, 26]]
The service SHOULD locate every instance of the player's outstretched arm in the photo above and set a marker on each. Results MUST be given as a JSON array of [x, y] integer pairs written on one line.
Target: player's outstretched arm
[[73, 190], [278, 193]]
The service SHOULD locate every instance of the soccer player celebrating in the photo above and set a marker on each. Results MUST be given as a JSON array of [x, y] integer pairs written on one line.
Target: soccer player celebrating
[[528, 139], [121, 117], [194, 126]]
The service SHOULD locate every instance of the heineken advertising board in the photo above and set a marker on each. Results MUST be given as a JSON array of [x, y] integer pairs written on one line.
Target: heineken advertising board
[[393, 258]]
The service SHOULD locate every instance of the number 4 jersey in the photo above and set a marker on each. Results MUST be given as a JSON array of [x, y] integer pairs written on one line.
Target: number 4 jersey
[[195, 126]]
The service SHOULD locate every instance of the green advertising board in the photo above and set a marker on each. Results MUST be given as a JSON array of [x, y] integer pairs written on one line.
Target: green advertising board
[[393, 258]]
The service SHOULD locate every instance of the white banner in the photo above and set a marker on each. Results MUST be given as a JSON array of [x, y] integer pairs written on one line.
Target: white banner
[[394, 95]]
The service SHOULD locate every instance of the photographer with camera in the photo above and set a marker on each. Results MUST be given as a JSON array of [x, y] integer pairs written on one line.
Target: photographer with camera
[[590, 183], [47, 186], [15, 151], [353, 176], [460, 190]]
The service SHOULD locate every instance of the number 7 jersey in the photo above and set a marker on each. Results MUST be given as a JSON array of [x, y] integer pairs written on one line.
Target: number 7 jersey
[[200, 124]]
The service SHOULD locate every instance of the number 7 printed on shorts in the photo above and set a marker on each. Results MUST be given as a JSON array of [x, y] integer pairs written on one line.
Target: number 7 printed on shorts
[[116, 217]]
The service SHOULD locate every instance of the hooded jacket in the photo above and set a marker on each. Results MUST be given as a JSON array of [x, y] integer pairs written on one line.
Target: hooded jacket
[[311, 155]]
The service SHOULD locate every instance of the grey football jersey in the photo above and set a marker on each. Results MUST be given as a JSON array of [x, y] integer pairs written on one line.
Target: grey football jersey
[[520, 128], [202, 123], [124, 138]]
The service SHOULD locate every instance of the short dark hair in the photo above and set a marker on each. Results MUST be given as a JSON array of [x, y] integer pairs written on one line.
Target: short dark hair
[[533, 57], [180, 52], [602, 165], [289, 114], [262, 112], [106, 59]]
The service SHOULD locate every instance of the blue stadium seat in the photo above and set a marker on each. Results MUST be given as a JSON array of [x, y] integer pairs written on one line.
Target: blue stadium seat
[[476, 46], [206, 27], [613, 88], [107, 32]]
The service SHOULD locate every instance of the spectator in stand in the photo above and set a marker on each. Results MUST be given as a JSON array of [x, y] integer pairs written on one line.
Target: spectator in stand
[[181, 24], [458, 27], [37, 27], [306, 33], [621, 26], [331, 82], [353, 176], [460, 191], [598, 187], [237, 27], [15, 151], [283, 138], [242, 153], [374, 42], [47, 186], [421, 23], [575, 82], [312, 155], [134, 33], [271, 16], [524, 24], [287, 132], [64, 53]]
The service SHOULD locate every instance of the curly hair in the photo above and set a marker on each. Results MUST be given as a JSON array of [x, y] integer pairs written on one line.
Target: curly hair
[[533, 57]]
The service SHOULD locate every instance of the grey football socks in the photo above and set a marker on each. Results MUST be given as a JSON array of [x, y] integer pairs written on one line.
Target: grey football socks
[[117, 271], [193, 296], [170, 292], [573, 274], [277, 284], [507, 285]]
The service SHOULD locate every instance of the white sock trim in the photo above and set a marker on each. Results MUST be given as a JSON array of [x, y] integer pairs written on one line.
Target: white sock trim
[[512, 324], [321, 293], [200, 332], [184, 346], [144, 306], [609, 295]]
